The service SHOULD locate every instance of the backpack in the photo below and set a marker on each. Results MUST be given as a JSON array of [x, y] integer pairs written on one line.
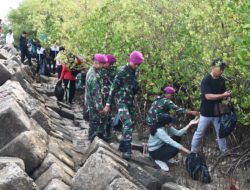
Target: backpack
[[59, 91], [197, 168]]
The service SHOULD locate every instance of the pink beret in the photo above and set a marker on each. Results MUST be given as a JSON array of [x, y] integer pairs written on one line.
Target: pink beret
[[136, 57], [111, 58], [169, 90], [100, 58]]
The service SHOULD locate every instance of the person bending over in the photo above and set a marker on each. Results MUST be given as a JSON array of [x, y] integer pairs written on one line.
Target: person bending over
[[164, 140]]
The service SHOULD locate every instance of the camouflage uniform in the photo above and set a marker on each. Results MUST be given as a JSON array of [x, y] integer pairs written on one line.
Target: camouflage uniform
[[161, 105], [94, 102], [124, 88], [107, 76]]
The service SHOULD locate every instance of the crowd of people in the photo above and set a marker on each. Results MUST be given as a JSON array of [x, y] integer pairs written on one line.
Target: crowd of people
[[110, 92], [118, 94]]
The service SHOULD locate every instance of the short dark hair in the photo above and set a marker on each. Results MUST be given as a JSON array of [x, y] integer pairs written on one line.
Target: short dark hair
[[61, 48], [24, 32], [10, 30], [219, 63]]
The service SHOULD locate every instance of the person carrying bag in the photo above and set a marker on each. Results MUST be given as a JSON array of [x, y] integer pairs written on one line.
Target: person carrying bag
[[227, 117]]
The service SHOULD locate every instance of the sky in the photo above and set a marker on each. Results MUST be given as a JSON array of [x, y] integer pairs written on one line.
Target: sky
[[6, 6]]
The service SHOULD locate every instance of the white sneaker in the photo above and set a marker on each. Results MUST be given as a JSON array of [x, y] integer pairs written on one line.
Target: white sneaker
[[162, 165], [173, 161]]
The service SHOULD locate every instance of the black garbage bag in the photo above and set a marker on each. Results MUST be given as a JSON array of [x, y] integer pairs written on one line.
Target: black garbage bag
[[197, 168], [59, 91], [227, 123]]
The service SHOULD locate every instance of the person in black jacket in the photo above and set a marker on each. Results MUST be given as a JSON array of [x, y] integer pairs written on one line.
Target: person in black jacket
[[24, 48], [54, 50]]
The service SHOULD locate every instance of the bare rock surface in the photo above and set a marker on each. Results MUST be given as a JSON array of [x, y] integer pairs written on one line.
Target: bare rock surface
[[13, 177], [30, 146], [4, 161]]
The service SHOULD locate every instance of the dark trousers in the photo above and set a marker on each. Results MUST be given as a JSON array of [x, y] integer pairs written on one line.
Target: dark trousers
[[59, 70], [52, 63], [165, 152], [70, 88], [38, 65], [27, 54]]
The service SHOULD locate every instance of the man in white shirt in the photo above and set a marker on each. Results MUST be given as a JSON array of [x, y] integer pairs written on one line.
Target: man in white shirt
[[10, 37]]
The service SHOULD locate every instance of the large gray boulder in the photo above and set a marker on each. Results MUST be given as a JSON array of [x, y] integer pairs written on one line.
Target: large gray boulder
[[47, 162], [122, 183], [13, 121], [173, 186], [16, 59], [57, 184], [56, 150], [4, 161], [149, 181], [19, 77], [5, 74], [30, 146], [14, 89], [3, 54], [12, 64], [13, 177], [9, 49], [102, 166], [54, 172], [40, 116], [97, 173]]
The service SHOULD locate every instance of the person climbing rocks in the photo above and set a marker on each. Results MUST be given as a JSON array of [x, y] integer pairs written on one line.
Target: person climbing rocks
[[107, 76], [94, 98], [125, 87]]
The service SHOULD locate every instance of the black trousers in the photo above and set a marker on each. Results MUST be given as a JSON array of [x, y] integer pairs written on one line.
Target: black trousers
[[39, 62], [70, 88], [27, 54], [52, 64], [59, 70], [165, 152]]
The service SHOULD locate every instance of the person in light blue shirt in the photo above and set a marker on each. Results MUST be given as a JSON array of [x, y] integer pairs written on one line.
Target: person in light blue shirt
[[164, 139]]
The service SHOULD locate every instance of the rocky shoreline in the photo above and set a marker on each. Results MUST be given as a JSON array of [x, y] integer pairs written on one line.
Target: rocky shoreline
[[44, 144]]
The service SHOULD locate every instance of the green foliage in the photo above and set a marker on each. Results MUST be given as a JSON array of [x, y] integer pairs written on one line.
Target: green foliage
[[178, 38]]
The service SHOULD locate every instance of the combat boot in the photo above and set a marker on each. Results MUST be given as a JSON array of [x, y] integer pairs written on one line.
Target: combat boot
[[127, 150]]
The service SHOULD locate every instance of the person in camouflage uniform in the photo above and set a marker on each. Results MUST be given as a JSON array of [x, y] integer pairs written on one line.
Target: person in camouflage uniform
[[93, 97], [125, 87], [107, 76], [162, 105]]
